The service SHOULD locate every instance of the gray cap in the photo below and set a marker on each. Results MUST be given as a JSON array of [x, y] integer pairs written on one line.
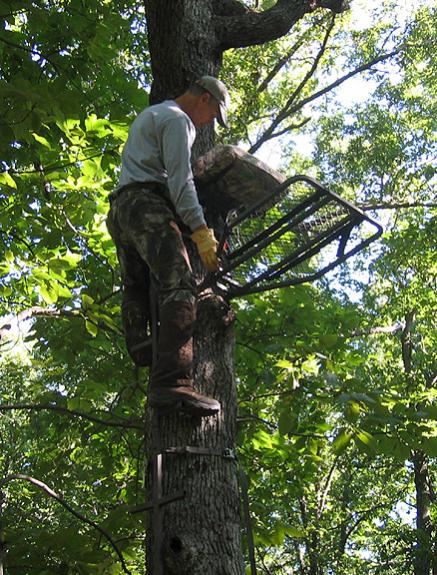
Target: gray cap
[[220, 93]]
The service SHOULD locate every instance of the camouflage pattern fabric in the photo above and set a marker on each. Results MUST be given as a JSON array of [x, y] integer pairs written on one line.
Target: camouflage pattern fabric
[[148, 240], [233, 177], [149, 244]]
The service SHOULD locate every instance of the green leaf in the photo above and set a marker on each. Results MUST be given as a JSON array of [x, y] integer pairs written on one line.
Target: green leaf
[[42, 140], [78, 404], [365, 441], [87, 301], [49, 292], [287, 422], [284, 364], [295, 532], [262, 440], [341, 441], [91, 328], [352, 411], [8, 180], [429, 446]]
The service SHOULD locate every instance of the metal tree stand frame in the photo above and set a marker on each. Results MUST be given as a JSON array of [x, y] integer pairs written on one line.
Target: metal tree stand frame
[[295, 234]]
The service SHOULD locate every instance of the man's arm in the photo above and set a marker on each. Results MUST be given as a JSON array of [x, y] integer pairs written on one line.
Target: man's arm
[[176, 142]]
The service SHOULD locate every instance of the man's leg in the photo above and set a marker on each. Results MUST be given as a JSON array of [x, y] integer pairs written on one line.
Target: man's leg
[[150, 228], [135, 315], [171, 383], [135, 306]]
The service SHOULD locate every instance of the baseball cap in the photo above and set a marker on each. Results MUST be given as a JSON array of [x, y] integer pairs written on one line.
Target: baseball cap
[[220, 93]]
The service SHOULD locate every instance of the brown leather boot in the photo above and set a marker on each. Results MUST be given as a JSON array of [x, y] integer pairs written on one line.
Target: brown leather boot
[[171, 385]]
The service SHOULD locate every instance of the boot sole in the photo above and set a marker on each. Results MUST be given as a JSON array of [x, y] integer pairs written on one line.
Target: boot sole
[[183, 405]]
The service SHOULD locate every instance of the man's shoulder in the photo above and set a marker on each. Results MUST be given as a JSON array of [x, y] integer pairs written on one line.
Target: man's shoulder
[[166, 116], [167, 108]]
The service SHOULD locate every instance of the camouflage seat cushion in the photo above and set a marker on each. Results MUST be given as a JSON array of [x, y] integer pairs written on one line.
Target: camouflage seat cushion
[[227, 177]]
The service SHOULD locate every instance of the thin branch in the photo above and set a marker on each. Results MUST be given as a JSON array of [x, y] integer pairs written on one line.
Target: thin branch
[[310, 73], [68, 507], [73, 412], [407, 347], [390, 329], [249, 417], [288, 111], [324, 495], [290, 127], [390, 206], [37, 311], [31, 51], [280, 64], [55, 167]]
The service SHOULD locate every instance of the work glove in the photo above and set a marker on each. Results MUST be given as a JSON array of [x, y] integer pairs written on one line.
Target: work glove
[[206, 244]]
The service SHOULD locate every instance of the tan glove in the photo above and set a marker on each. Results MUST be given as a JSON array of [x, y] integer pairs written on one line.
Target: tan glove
[[206, 244]]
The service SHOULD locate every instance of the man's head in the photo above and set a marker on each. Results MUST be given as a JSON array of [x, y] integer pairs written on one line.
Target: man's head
[[206, 99]]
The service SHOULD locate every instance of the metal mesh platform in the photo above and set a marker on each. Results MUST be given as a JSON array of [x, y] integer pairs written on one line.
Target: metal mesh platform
[[305, 233]]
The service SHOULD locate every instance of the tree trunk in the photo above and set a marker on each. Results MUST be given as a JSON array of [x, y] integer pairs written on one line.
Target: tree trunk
[[2, 535], [201, 531], [422, 480], [182, 44], [423, 558]]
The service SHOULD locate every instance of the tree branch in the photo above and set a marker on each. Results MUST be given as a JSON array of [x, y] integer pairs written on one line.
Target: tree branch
[[229, 8], [53, 407], [324, 494], [253, 28], [291, 127], [55, 167], [285, 113], [31, 51], [395, 328], [390, 206], [407, 347], [38, 311], [68, 507], [288, 109], [280, 64]]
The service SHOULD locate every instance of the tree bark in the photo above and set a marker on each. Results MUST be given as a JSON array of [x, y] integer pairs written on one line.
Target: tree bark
[[423, 558], [2, 535], [182, 44], [201, 531]]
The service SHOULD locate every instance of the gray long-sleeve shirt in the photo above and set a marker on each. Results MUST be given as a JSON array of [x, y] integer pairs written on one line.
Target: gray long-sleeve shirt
[[158, 149]]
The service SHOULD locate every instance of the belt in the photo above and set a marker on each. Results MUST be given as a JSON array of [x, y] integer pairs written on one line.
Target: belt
[[155, 187]]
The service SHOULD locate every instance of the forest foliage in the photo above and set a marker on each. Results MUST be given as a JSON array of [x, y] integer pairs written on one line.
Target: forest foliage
[[337, 380]]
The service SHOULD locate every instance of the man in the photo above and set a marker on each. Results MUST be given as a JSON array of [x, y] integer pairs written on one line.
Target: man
[[154, 201]]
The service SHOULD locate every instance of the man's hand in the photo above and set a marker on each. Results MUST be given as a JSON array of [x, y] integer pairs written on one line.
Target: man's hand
[[206, 244]]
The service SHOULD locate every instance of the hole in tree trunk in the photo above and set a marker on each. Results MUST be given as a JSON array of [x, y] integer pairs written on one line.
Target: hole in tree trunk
[[176, 545]]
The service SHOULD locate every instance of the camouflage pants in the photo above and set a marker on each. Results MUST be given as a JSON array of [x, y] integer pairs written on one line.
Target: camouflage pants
[[150, 246]]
